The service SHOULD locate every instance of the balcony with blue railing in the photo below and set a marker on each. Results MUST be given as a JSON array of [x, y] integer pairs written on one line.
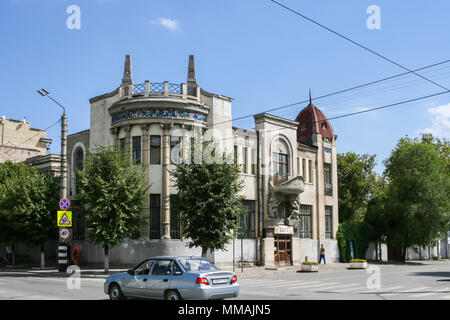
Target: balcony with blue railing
[[159, 90]]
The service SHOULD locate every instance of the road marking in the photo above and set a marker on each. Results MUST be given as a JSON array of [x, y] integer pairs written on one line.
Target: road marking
[[381, 290], [403, 291], [266, 283], [291, 283], [313, 285], [445, 297], [331, 288], [356, 290], [427, 293]]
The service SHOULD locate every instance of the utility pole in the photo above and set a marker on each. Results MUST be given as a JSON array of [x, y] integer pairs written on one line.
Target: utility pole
[[63, 245], [63, 178]]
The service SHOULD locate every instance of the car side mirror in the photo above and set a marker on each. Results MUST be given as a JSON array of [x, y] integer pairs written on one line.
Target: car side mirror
[[130, 272]]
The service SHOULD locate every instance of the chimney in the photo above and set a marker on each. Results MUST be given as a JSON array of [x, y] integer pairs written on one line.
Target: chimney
[[191, 81], [127, 77]]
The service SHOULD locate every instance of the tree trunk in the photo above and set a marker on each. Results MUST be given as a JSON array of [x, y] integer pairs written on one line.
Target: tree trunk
[[106, 251], [42, 256], [404, 253], [13, 254], [204, 252]]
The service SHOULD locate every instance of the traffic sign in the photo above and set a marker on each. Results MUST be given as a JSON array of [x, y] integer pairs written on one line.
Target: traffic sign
[[64, 234], [64, 204], [64, 219]]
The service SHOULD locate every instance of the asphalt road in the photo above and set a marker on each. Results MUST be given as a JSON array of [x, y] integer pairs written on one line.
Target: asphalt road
[[396, 282]]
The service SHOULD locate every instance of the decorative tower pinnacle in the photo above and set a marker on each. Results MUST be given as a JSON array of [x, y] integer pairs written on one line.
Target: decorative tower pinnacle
[[191, 80], [127, 76]]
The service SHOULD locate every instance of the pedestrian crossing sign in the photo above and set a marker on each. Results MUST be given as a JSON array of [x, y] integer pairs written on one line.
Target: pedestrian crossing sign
[[64, 219]]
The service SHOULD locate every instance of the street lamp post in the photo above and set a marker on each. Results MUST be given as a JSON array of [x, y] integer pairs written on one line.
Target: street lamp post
[[62, 266], [63, 178]]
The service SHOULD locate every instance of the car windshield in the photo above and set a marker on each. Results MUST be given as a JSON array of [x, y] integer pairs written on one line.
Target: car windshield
[[194, 265]]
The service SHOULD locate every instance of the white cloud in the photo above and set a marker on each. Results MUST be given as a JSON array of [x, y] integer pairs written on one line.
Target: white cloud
[[440, 122], [167, 23]]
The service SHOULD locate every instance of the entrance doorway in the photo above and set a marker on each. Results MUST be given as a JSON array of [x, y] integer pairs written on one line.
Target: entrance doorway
[[283, 251]]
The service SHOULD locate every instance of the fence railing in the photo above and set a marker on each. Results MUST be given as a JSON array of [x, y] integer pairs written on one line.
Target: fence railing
[[165, 89]]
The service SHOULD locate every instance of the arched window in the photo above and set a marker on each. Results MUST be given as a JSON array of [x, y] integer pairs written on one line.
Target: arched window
[[280, 161], [79, 158], [77, 165]]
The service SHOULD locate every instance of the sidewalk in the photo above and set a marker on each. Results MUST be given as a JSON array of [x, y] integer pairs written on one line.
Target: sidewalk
[[248, 272]]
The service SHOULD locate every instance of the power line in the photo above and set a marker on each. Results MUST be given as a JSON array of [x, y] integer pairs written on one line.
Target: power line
[[326, 119], [335, 93], [358, 44]]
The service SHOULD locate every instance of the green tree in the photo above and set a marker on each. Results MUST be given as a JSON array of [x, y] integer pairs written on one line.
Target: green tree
[[111, 190], [376, 213], [28, 205], [209, 202], [356, 181], [417, 202]]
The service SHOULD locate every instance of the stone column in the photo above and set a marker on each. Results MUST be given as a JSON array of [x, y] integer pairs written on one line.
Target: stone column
[[115, 134], [165, 181], [145, 230]]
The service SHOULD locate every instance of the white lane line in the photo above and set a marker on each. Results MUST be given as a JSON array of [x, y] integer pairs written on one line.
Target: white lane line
[[428, 293], [445, 297], [332, 288], [380, 291], [356, 289], [267, 283], [292, 283], [403, 291], [313, 285]]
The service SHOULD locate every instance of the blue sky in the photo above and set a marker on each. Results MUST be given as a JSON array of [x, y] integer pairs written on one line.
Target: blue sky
[[253, 51]]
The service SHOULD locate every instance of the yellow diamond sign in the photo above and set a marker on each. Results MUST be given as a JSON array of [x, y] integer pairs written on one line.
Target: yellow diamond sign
[[64, 219]]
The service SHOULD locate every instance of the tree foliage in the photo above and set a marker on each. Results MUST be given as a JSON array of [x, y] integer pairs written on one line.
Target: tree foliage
[[356, 181], [209, 202], [356, 235], [417, 201], [28, 204], [111, 189]]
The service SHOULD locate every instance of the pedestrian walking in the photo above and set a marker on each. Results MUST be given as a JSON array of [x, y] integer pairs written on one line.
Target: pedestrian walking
[[322, 255]]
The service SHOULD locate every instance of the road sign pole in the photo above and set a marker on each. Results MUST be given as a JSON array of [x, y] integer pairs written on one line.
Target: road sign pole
[[64, 222]]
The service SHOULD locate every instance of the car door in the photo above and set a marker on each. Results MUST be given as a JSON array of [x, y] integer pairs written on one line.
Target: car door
[[135, 285], [159, 279]]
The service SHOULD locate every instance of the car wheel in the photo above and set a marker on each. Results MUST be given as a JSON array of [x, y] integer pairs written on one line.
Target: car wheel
[[172, 295], [115, 293]]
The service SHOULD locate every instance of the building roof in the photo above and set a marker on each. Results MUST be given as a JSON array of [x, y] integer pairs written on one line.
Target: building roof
[[312, 120]]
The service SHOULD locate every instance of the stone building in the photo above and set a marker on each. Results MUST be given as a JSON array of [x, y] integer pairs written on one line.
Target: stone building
[[288, 168], [18, 141]]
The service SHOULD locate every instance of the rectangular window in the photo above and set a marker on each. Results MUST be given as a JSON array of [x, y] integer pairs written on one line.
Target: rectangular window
[[310, 171], [298, 166], [236, 159], [304, 169], [253, 161], [122, 144], [155, 216], [192, 150], [328, 221], [175, 157], [327, 177], [280, 167], [304, 230], [327, 173], [245, 160], [155, 149], [247, 222], [174, 217], [137, 149]]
